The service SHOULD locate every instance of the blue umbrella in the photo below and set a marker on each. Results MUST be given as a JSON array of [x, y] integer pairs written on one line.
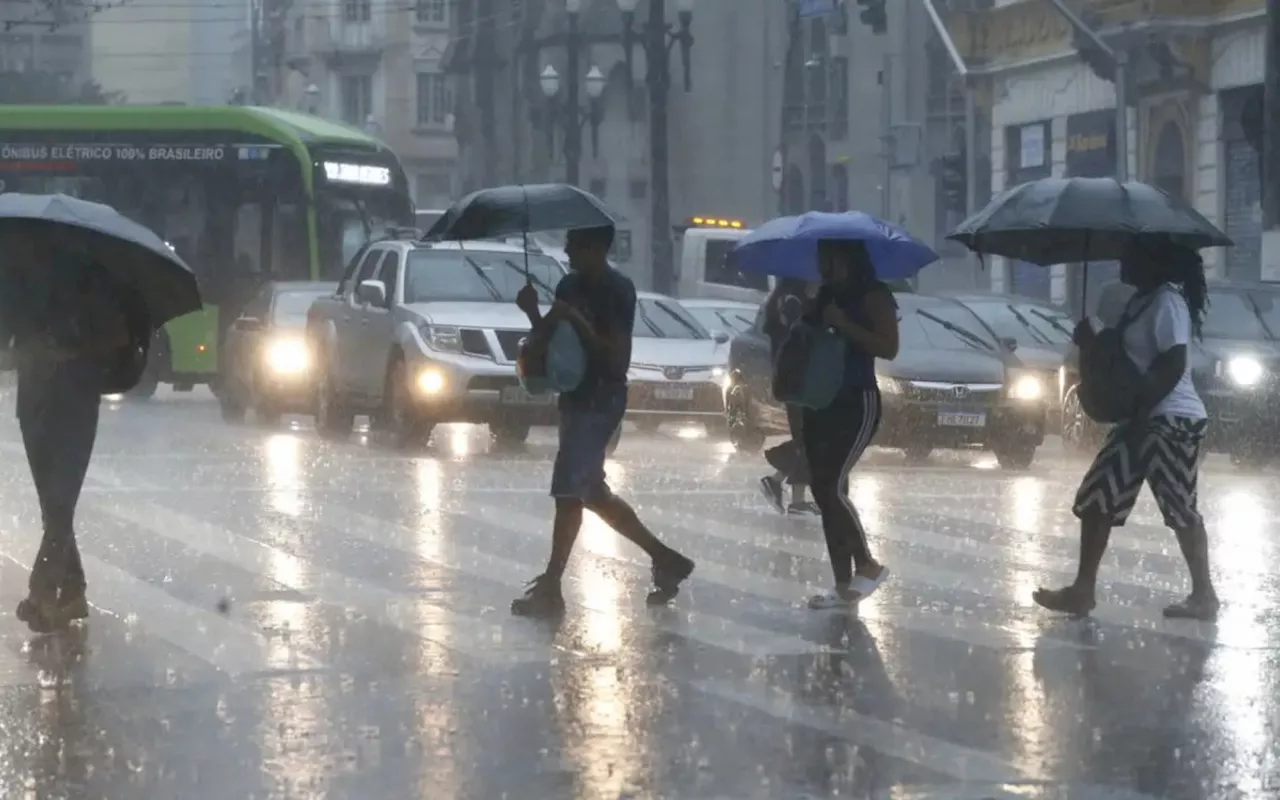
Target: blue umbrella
[[788, 246]]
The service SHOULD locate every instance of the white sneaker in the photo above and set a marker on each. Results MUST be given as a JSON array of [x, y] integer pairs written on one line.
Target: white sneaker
[[839, 597], [864, 587]]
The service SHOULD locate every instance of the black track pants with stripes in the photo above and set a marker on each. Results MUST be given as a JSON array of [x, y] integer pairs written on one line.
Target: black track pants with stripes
[[834, 439]]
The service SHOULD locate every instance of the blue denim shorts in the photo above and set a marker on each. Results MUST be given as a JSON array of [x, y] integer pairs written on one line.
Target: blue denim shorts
[[586, 426]]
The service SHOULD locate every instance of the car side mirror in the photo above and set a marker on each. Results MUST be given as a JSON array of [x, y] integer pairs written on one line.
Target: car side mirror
[[720, 337], [248, 324], [1010, 343], [372, 293]]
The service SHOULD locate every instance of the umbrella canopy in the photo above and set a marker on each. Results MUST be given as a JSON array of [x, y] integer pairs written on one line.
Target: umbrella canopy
[[1066, 220], [509, 210], [788, 246], [134, 255]]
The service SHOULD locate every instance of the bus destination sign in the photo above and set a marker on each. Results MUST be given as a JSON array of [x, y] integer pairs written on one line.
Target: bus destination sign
[[364, 174], [71, 153]]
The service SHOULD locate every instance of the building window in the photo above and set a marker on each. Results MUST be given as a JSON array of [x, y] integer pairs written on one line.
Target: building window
[[435, 100], [357, 10], [357, 98], [839, 91], [431, 12], [599, 187]]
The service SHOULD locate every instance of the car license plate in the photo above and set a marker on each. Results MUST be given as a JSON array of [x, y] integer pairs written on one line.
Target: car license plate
[[517, 396], [960, 419], [673, 392]]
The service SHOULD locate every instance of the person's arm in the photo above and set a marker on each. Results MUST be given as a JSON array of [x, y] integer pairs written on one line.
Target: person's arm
[[881, 338], [1171, 324]]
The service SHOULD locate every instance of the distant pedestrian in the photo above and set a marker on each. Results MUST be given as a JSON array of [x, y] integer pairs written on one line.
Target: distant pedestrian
[[600, 303], [784, 307], [62, 346], [1162, 442], [852, 302]]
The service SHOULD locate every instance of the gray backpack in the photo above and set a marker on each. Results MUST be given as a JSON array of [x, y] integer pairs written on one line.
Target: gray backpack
[[1110, 383]]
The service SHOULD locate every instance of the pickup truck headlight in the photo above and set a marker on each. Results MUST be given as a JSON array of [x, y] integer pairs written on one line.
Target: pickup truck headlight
[[1025, 387], [1244, 371], [288, 356], [443, 338]]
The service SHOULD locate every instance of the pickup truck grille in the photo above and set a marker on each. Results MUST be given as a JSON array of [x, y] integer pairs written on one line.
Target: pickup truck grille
[[473, 342], [510, 342]]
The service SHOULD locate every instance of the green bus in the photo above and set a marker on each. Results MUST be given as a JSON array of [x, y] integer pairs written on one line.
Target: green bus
[[245, 195]]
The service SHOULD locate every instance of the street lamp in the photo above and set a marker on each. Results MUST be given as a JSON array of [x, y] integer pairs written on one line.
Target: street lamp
[[573, 116], [657, 37]]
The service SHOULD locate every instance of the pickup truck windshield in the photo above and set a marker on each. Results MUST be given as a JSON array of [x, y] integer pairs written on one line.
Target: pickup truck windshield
[[664, 319], [293, 306], [477, 276]]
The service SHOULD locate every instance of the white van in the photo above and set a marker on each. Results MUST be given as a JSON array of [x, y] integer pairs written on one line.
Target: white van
[[702, 248]]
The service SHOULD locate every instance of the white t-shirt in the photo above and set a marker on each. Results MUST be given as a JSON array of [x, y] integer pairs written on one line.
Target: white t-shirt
[[1162, 325]]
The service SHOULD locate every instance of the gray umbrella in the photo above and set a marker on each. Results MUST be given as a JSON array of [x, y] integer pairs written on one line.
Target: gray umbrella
[[510, 210], [1068, 220], [133, 254]]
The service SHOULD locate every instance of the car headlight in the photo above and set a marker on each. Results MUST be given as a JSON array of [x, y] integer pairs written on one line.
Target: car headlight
[[718, 373], [443, 338], [1026, 388], [430, 381], [288, 356], [1244, 371]]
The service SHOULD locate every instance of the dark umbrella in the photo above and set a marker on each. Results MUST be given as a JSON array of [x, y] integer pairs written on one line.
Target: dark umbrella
[[135, 256], [1068, 220], [512, 210]]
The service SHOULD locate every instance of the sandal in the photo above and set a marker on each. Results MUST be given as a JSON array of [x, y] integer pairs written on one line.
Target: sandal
[[42, 616], [1068, 600]]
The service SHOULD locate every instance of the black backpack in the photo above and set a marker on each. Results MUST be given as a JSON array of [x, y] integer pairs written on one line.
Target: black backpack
[[1110, 383]]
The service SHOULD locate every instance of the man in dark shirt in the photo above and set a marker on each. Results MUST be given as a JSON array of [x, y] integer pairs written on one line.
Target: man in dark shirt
[[600, 303]]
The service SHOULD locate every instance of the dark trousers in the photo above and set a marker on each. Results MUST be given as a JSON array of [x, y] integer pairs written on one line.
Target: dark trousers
[[788, 457], [59, 423], [834, 439]]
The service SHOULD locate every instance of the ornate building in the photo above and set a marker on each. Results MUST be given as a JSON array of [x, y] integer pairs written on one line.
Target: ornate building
[[1194, 93]]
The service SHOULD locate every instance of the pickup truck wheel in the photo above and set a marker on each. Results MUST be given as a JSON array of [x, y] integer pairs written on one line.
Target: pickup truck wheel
[[509, 434], [405, 424], [333, 420]]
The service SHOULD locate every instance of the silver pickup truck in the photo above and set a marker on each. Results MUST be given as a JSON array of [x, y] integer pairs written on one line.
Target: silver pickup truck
[[424, 333]]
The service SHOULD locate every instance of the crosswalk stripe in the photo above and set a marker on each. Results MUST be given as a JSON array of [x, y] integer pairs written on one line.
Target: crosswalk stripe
[[475, 637], [954, 628], [707, 629], [221, 643], [994, 584]]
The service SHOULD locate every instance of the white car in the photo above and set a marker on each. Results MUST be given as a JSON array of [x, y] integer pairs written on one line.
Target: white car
[[677, 366], [730, 316]]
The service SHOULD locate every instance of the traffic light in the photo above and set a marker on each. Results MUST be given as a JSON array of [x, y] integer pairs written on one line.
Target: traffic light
[[955, 188], [874, 15]]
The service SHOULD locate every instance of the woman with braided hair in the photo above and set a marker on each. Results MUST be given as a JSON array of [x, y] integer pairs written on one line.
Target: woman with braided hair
[[1162, 441]]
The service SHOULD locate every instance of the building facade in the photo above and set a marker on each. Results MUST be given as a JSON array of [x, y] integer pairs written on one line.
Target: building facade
[[1193, 122], [377, 65], [43, 37]]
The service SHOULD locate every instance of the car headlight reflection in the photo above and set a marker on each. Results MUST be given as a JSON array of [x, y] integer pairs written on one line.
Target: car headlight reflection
[[288, 356], [1026, 388], [1245, 371]]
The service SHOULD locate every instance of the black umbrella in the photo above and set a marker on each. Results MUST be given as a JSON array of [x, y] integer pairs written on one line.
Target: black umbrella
[[511, 210], [1068, 220], [94, 233]]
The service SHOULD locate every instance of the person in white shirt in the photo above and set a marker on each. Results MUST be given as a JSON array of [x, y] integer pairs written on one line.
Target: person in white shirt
[[1161, 443]]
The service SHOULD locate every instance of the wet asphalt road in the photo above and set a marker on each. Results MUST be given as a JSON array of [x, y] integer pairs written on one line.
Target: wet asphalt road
[[367, 650]]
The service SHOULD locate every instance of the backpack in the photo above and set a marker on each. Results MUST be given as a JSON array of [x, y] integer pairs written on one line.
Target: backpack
[[809, 367], [552, 360], [1110, 383]]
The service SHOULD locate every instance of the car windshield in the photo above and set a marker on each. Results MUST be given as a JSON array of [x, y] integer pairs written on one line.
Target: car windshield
[[1028, 324], [1268, 305], [729, 319], [1231, 315], [666, 319], [480, 276], [943, 326], [292, 306]]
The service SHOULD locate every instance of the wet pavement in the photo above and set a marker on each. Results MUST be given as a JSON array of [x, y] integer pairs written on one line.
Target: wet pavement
[[281, 617]]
